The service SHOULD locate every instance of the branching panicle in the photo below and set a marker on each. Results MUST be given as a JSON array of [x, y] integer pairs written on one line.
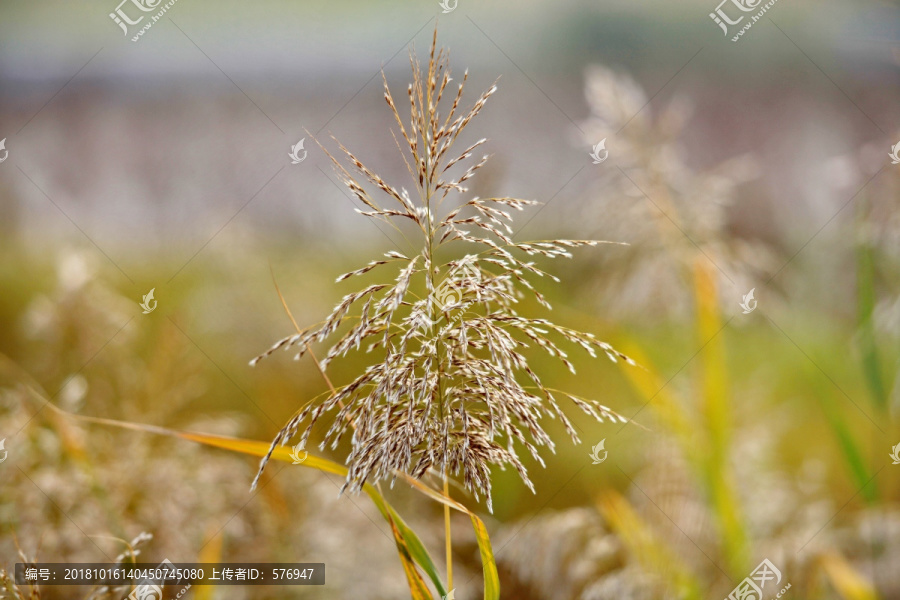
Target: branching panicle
[[454, 391]]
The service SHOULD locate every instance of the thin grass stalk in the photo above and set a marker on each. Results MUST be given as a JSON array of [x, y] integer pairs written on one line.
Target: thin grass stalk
[[429, 230], [865, 308], [449, 541], [716, 411], [850, 444]]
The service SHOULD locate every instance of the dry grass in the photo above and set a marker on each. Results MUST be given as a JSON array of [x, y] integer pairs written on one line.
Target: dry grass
[[452, 389]]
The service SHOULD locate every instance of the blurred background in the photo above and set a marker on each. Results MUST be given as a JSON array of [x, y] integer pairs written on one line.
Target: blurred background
[[163, 164]]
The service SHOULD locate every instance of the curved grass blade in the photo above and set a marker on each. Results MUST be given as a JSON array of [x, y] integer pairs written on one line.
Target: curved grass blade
[[488, 563], [417, 586], [416, 549], [412, 544]]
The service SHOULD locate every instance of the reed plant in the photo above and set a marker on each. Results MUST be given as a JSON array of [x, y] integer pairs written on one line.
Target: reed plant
[[452, 390]]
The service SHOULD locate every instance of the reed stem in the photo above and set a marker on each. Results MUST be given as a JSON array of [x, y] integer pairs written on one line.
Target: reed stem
[[447, 536]]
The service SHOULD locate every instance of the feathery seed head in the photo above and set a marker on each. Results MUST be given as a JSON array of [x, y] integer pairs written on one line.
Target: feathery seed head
[[453, 391]]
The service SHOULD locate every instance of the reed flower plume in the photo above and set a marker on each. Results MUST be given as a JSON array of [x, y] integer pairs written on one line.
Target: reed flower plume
[[453, 390], [673, 213]]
